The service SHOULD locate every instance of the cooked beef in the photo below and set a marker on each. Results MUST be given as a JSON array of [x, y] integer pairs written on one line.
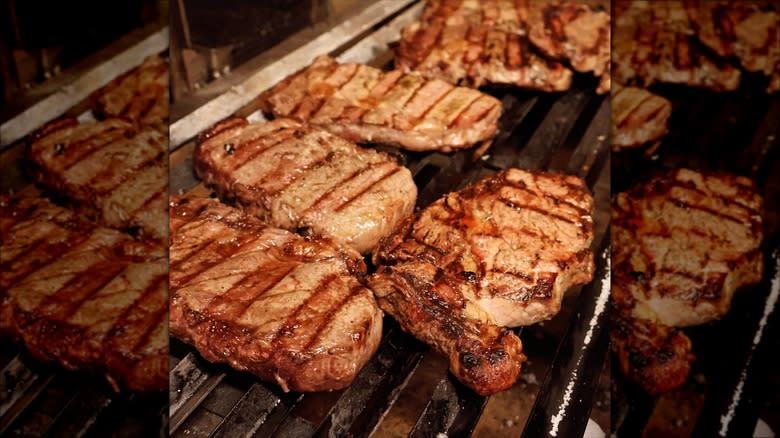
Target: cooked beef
[[367, 105], [117, 175], [286, 308], [87, 297], [297, 178], [140, 95], [639, 117], [575, 33], [654, 43], [477, 43], [682, 244], [499, 253], [742, 30]]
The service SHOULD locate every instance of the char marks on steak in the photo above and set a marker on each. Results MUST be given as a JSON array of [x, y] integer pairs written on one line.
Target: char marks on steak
[[639, 117], [499, 253], [114, 173], [366, 105], [286, 308], [89, 298], [682, 244], [295, 177], [140, 95]]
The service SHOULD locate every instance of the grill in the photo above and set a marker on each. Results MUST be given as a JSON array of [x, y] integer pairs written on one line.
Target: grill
[[405, 388], [43, 399], [735, 132]]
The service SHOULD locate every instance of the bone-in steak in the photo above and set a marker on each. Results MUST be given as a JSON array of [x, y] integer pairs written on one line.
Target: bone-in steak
[[114, 173], [366, 105], [682, 244], [295, 177], [87, 297], [499, 253], [267, 301]]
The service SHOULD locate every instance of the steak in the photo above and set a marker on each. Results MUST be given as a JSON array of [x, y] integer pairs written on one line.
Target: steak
[[87, 297], [140, 95], [367, 105], [682, 244], [475, 44], [654, 43], [111, 171], [500, 253], [639, 117], [286, 308], [306, 179]]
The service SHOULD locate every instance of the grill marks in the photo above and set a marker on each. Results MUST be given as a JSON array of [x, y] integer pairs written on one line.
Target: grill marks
[[480, 43], [272, 303], [368, 105], [108, 168], [80, 291], [302, 177], [638, 117]]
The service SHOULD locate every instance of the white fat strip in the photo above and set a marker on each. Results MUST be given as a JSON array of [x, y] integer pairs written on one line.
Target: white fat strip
[[601, 304], [769, 307]]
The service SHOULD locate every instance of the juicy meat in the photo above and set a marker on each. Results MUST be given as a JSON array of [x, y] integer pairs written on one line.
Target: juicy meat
[[140, 95], [297, 178], [654, 43], [367, 105], [286, 308], [682, 244], [639, 117], [573, 32], [87, 297], [742, 30], [116, 174], [477, 43], [500, 253]]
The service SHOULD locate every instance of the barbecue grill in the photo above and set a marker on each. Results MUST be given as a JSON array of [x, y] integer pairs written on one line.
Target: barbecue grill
[[43, 399], [405, 388]]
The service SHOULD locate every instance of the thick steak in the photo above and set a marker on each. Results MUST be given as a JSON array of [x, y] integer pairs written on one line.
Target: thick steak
[[264, 300], [89, 298], [296, 178], [366, 105]]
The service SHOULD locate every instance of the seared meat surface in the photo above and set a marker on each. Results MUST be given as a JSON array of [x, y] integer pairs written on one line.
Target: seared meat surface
[[113, 172], [87, 297], [500, 253], [286, 308], [639, 117], [140, 95], [683, 243], [296, 178], [366, 105]]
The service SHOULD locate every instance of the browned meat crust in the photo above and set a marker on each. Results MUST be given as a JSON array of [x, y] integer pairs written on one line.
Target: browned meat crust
[[286, 308], [140, 95], [114, 173], [500, 253], [295, 177], [639, 117], [367, 105], [90, 298], [683, 243]]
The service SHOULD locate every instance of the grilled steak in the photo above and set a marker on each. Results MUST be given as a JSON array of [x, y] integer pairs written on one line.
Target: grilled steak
[[575, 33], [499, 253], [742, 30], [140, 95], [295, 177], [268, 301], [682, 244], [87, 297], [367, 105], [118, 175], [654, 43], [639, 117], [477, 43]]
